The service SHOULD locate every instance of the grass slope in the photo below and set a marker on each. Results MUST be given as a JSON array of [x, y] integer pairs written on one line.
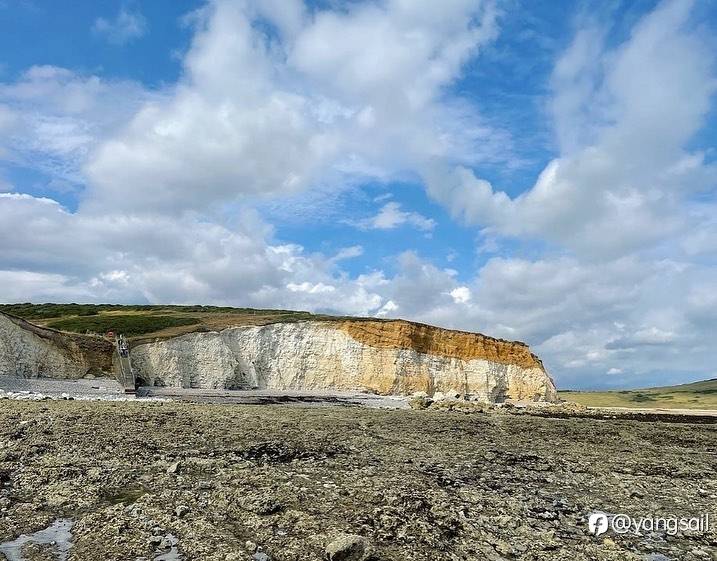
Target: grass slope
[[697, 395]]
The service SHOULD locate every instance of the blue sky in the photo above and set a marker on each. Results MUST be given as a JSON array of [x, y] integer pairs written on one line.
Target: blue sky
[[534, 171]]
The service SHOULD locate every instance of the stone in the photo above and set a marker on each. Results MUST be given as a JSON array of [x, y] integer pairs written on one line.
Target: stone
[[181, 511], [349, 547], [173, 469], [504, 548], [420, 402]]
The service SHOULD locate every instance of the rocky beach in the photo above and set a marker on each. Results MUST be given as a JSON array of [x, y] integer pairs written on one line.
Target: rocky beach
[[167, 480]]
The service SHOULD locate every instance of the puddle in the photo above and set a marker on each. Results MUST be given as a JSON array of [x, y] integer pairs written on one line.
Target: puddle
[[171, 555], [57, 534]]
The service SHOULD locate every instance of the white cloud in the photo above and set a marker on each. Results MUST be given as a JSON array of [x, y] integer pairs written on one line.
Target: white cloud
[[157, 258], [52, 118], [348, 253], [391, 216], [256, 115], [624, 117], [461, 294], [388, 309], [125, 27]]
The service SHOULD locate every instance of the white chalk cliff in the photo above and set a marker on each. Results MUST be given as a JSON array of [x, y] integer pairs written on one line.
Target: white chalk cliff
[[31, 352], [385, 357]]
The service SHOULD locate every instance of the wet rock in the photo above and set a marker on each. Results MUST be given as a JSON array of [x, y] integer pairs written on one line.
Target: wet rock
[[349, 547], [420, 402]]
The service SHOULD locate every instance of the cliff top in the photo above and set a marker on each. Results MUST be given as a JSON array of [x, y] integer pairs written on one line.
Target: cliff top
[[141, 323]]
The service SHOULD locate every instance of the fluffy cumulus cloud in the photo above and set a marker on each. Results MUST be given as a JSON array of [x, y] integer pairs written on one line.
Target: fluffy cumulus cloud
[[326, 94], [52, 119], [624, 117], [277, 99]]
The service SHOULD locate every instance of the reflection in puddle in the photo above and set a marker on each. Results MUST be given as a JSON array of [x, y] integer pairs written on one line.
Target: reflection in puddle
[[57, 534], [170, 542]]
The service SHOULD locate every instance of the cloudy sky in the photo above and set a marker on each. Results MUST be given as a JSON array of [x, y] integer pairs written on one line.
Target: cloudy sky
[[537, 173]]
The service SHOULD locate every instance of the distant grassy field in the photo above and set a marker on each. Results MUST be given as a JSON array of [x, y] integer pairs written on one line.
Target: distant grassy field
[[697, 395]]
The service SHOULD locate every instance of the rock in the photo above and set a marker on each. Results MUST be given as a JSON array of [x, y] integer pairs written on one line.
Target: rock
[[420, 402], [181, 510], [349, 547], [503, 547], [260, 556], [250, 546], [173, 469]]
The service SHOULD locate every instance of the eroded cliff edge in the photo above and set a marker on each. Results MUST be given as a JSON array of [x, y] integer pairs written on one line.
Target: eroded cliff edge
[[386, 357], [30, 351]]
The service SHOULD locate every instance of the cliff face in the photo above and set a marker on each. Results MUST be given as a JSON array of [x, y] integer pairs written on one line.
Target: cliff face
[[384, 357], [30, 351]]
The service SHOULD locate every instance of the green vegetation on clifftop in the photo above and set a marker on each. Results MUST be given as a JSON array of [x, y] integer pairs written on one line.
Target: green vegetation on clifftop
[[129, 325], [147, 321]]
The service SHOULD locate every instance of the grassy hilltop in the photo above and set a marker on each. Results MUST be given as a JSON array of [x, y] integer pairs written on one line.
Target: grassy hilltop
[[697, 395], [146, 321]]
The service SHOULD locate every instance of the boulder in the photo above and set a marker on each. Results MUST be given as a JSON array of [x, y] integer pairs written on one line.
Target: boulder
[[349, 547]]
